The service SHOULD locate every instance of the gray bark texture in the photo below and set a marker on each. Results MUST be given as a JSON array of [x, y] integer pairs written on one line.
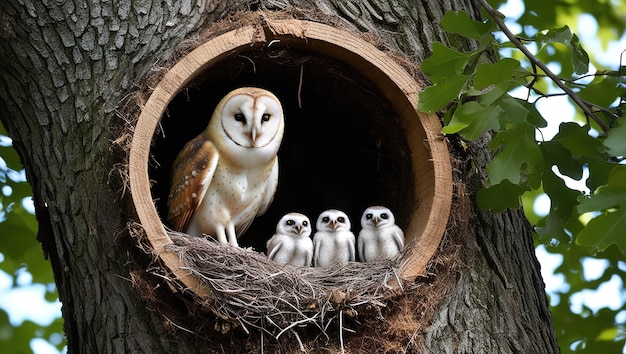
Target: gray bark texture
[[65, 69]]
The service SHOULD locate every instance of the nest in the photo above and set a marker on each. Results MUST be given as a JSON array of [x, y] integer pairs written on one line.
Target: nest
[[251, 291]]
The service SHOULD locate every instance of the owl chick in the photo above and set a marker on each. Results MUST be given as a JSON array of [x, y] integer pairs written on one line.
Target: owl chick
[[380, 237], [227, 175], [291, 243], [333, 241]]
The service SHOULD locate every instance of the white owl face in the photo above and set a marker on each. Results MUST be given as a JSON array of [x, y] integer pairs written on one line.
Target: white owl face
[[377, 217], [252, 119], [333, 220], [295, 224]]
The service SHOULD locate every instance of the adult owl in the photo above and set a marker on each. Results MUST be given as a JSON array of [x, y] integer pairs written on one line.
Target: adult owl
[[380, 237], [291, 243], [333, 241], [226, 176]]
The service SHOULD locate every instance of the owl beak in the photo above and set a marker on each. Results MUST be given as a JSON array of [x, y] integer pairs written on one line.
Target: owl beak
[[334, 224], [299, 229], [376, 220], [253, 134]]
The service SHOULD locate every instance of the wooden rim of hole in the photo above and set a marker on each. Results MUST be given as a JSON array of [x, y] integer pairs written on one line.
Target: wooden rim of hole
[[429, 153]]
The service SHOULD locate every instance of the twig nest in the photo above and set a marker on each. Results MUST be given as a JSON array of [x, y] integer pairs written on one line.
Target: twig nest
[[404, 149]]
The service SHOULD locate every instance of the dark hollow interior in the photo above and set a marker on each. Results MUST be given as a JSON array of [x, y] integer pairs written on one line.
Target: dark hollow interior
[[343, 146]]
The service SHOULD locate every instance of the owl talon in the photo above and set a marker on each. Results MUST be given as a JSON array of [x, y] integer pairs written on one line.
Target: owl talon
[[232, 236], [221, 236]]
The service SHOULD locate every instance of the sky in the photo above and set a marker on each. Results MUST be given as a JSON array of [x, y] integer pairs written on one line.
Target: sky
[[25, 301]]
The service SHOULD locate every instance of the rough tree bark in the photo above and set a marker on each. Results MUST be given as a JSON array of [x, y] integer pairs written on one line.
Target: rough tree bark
[[65, 68]]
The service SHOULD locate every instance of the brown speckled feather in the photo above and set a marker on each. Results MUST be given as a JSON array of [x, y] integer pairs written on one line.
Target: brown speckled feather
[[192, 172]]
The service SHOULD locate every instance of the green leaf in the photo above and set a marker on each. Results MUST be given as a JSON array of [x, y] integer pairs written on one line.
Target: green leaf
[[459, 22], [563, 199], [605, 230], [608, 227], [500, 197], [580, 58], [472, 120], [10, 157], [616, 140], [602, 91], [576, 139], [444, 63], [599, 172], [562, 47], [552, 227], [555, 35], [608, 196], [491, 74], [516, 112], [534, 117], [494, 94], [436, 97], [519, 155], [447, 116], [554, 154], [608, 334]]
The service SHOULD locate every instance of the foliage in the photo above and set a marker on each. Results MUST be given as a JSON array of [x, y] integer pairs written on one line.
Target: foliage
[[21, 253], [475, 93]]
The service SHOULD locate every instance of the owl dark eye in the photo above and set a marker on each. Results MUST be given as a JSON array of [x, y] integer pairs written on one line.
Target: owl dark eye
[[305, 223], [325, 219], [368, 216], [240, 117], [265, 117], [384, 216], [291, 222], [341, 219]]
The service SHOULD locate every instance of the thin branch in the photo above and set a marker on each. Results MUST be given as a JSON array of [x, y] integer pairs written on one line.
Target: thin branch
[[573, 80], [621, 56], [341, 331], [596, 74], [602, 109], [536, 62]]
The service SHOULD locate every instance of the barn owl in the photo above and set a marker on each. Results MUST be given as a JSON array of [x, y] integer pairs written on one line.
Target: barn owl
[[291, 243], [333, 241], [227, 175], [380, 237]]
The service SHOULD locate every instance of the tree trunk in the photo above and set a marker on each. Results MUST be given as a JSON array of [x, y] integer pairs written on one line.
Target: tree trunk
[[66, 69]]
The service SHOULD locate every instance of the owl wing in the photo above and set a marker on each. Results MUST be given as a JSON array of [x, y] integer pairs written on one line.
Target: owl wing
[[192, 173], [352, 248], [316, 249], [268, 196], [360, 246], [309, 257], [398, 237], [243, 227], [270, 190], [273, 246]]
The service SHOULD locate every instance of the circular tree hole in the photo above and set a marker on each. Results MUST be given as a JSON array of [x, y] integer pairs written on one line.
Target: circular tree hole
[[343, 146]]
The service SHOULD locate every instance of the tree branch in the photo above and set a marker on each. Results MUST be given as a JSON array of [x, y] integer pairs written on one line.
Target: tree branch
[[536, 62]]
